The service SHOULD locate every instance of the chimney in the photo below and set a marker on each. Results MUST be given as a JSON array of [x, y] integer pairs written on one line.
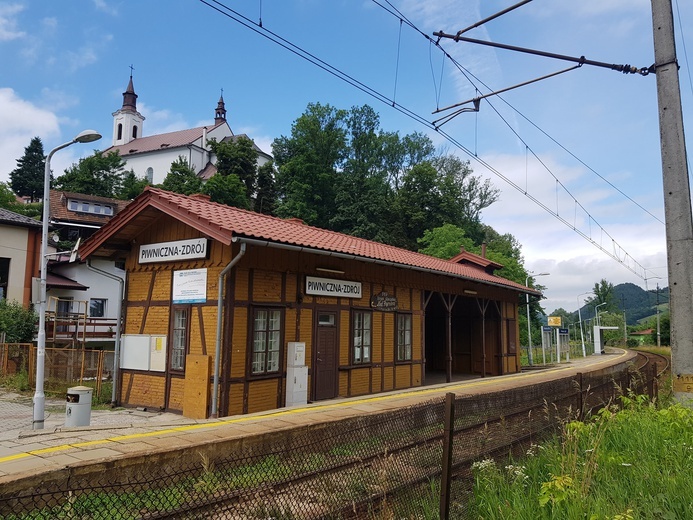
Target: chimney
[[461, 249], [483, 250]]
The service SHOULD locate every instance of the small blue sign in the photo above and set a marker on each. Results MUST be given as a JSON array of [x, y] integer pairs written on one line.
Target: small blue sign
[[546, 329], [563, 331]]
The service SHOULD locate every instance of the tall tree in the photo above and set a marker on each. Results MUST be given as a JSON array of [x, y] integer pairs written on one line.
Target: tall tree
[[132, 186], [227, 189], [603, 294], [181, 178], [237, 157], [98, 174], [27, 178], [307, 163], [266, 198]]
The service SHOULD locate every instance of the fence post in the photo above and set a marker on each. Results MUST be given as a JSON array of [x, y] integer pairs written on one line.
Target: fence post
[[446, 473], [581, 401], [654, 388]]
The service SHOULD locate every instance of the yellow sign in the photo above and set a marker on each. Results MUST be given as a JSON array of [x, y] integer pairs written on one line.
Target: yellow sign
[[554, 321], [683, 383]]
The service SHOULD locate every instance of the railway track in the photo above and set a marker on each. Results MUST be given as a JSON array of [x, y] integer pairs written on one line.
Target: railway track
[[648, 359]]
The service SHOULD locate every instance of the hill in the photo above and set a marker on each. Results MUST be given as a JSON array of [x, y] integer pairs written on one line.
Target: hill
[[638, 302]]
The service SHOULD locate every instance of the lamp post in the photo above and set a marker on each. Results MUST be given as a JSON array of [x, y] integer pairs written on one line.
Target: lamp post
[[529, 327], [87, 136], [582, 336], [596, 312]]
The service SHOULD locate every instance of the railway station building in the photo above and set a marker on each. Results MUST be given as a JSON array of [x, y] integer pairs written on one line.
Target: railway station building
[[227, 311]]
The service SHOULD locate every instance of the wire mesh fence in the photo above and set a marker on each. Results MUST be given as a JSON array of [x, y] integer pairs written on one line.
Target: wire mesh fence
[[64, 367], [380, 466]]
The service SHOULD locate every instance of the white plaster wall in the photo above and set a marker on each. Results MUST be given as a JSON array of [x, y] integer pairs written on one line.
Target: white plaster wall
[[100, 286], [13, 245]]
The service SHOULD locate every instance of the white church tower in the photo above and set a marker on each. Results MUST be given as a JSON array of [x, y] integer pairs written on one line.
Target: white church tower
[[127, 121]]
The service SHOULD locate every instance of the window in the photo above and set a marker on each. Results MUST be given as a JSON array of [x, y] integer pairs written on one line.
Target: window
[[149, 175], [179, 345], [362, 336], [134, 132], [404, 337], [120, 131], [266, 341], [4, 276], [97, 307], [90, 207]]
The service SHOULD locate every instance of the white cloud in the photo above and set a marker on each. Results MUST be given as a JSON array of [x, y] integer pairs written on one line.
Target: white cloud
[[106, 7], [161, 121], [22, 120], [8, 22]]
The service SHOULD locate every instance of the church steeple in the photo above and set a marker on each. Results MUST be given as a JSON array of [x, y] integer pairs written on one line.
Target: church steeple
[[129, 97], [127, 121], [220, 112]]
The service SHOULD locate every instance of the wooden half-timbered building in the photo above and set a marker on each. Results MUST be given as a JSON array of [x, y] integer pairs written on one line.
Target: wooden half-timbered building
[[219, 301]]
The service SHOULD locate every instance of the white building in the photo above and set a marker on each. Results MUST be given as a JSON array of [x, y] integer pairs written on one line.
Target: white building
[[150, 157]]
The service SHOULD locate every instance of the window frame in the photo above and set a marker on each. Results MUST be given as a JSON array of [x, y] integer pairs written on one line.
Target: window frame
[[175, 330], [270, 335], [360, 332], [408, 347], [104, 303]]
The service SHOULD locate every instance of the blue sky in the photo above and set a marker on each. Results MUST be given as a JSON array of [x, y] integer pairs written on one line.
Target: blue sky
[[66, 63]]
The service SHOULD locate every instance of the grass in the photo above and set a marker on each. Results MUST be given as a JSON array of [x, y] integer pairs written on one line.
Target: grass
[[624, 464]]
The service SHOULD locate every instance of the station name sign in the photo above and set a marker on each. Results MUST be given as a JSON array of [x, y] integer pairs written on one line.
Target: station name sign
[[335, 288], [173, 251]]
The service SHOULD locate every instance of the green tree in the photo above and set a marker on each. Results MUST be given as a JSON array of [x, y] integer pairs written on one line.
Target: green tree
[[266, 199], [18, 323], [181, 178], [7, 197], [132, 186], [227, 189], [27, 178], [98, 174], [237, 157], [364, 198], [603, 294], [445, 241], [307, 163]]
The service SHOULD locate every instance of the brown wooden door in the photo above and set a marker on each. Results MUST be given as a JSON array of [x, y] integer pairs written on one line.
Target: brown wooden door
[[325, 356]]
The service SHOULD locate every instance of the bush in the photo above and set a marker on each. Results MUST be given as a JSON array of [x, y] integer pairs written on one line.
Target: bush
[[18, 323]]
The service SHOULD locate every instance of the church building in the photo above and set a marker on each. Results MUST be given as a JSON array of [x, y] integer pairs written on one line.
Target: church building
[[150, 157]]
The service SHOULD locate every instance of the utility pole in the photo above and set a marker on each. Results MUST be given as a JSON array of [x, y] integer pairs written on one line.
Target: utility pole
[[659, 335], [677, 200], [625, 325]]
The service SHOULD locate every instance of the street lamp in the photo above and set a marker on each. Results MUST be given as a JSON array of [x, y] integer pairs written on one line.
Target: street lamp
[[529, 328], [596, 312], [582, 336], [87, 136]]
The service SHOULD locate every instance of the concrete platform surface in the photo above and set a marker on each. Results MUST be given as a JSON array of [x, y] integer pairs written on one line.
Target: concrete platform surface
[[125, 432]]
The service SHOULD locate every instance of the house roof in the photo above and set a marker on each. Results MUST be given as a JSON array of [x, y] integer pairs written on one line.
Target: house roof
[[15, 219], [165, 141], [227, 224], [60, 211], [467, 257], [58, 281]]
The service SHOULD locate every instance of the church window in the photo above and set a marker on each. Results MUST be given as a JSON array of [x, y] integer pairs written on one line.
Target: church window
[[134, 132], [120, 131], [150, 175]]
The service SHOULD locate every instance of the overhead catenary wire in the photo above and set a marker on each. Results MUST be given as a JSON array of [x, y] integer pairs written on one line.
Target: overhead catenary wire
[[221, 8]]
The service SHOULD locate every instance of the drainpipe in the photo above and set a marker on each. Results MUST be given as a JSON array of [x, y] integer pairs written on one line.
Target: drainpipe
[[217, 347], [116, 353]]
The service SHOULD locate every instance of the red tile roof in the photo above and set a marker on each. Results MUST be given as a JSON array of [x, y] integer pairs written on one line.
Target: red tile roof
[[60, 211], [160, 141], [227, 224]]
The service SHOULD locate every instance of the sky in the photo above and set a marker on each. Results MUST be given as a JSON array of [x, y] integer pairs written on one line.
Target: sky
[[576, 156]]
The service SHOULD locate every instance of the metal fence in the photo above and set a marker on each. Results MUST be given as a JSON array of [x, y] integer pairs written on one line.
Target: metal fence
[[63, 367], [384, 466]]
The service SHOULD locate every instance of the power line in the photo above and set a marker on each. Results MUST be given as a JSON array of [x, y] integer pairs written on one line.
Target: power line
[[618, 254]]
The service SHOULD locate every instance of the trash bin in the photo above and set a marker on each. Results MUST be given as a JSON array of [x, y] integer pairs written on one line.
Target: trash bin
[[78, 408]]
